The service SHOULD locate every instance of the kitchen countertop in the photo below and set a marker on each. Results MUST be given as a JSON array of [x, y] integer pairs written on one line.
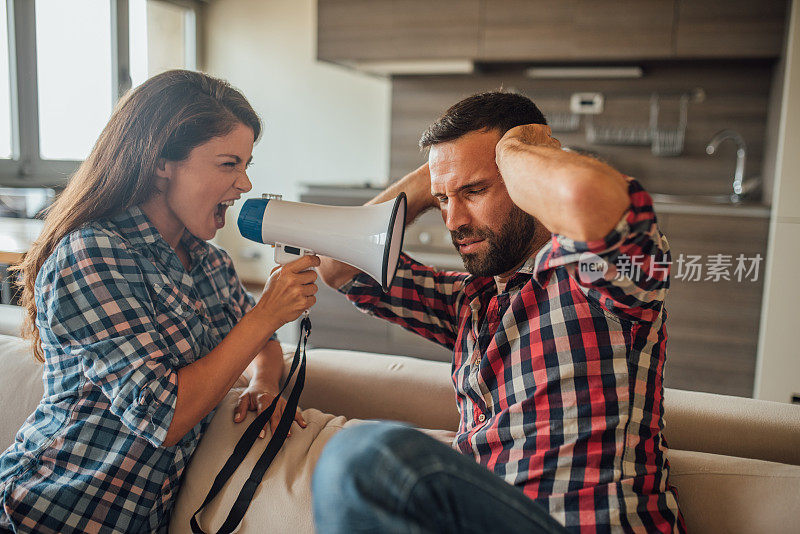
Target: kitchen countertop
[[730, 210], [363, 193]]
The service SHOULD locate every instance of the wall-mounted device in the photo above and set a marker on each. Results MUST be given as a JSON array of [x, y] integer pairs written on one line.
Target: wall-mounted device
[[369, 237], [586, 103]]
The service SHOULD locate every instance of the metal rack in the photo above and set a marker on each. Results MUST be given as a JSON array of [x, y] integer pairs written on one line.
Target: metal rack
[[662, 141]]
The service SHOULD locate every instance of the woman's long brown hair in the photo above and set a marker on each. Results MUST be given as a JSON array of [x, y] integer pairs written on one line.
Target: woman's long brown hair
[[165, 117]]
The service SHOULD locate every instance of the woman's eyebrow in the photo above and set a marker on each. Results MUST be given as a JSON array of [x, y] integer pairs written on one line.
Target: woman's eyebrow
[[235, 157]]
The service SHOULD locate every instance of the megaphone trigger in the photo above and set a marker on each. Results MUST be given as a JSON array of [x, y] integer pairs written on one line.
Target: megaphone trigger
[[287, 253]]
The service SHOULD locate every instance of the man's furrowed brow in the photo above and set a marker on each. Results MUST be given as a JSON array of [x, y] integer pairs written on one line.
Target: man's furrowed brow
[[473, 185]]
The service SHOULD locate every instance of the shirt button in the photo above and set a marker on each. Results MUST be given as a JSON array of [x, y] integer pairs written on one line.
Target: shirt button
[[481, 418]]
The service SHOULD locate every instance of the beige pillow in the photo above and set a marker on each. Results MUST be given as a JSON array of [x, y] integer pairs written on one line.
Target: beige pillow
[[730, 495], [21, 386], [282, 502]]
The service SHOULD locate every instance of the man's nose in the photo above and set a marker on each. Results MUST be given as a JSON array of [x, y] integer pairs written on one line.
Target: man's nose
[[456, 216]]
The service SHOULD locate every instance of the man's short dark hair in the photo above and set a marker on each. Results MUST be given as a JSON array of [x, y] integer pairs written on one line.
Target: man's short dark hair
[[493, 110]]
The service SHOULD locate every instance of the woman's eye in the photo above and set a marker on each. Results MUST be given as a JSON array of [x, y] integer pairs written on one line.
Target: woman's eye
[[230, 164]]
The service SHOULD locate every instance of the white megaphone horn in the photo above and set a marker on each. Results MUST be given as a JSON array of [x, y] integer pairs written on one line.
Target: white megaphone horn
[[369, 237]]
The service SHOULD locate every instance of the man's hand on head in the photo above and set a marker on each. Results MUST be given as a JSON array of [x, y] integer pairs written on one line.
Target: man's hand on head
[[572, 195], [529, 134]]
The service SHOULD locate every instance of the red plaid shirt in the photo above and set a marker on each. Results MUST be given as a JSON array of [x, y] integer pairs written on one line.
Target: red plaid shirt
[[558, 378]]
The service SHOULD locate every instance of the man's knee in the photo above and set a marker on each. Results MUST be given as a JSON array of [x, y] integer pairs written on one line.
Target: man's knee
[[361, 452]]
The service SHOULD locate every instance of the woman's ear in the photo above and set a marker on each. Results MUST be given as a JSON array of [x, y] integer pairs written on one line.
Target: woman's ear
[[161, 169], [163, 175]]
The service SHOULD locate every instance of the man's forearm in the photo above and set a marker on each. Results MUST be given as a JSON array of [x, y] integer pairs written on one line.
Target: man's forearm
[[572, 195], [417, 187]]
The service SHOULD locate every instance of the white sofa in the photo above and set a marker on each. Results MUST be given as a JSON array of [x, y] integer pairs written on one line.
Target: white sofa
[[735, 462]]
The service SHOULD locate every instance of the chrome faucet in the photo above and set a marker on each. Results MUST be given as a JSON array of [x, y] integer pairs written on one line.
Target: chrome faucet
[[740, 187]]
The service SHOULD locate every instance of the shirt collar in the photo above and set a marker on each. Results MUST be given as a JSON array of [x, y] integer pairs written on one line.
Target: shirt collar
[[137, 229]]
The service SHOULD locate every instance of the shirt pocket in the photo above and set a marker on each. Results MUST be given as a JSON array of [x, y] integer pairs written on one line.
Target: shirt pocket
[[178, 322], [167, 298]]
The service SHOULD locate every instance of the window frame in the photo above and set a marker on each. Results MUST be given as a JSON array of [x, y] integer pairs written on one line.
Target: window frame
[[26, 167]]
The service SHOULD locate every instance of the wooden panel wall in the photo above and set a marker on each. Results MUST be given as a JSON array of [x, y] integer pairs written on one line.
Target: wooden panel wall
[[737, 95]]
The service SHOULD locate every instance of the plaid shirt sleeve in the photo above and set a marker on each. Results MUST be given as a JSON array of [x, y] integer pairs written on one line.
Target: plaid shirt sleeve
[[98, 306], [421, 299], [239, 294], [637, 256]]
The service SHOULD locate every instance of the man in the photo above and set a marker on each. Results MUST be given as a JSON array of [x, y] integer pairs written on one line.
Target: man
[[559, 348]]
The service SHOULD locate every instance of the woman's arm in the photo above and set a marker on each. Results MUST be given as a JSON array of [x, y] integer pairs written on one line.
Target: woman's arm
[[204, 383]]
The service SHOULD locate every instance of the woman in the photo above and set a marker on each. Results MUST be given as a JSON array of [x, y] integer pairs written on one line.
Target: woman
[[142, 326]]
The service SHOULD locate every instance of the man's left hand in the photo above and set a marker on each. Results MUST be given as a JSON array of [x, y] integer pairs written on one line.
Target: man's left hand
[[530, 134]]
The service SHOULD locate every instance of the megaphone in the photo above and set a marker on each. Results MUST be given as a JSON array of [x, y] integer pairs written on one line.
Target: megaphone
[[369, 238]]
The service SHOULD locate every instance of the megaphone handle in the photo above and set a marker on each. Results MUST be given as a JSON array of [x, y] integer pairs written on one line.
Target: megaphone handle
[[287, 253]]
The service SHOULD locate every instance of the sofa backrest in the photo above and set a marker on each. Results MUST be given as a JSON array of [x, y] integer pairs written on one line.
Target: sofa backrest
[[376, 386], [10, 319], [21, 386]]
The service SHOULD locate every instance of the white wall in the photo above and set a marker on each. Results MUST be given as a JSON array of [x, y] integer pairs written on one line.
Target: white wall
[[323, 123], [778, 364]]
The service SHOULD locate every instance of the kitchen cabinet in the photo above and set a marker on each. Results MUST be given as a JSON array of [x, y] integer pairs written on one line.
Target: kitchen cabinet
[[712, 326], [730, 28], [353, 31], [377, 30], [576, 29]]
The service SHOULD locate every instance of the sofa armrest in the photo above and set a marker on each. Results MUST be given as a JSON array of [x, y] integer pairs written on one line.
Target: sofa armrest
[[365, 385], [732, 426]]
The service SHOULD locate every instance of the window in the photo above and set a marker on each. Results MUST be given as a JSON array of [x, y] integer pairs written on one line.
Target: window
[[5, 88], [63, 66]]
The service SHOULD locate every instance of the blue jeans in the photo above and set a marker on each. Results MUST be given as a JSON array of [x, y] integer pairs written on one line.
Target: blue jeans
[[387, 478]]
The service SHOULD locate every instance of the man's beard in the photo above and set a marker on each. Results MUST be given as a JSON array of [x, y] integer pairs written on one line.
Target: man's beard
[[508, 248]]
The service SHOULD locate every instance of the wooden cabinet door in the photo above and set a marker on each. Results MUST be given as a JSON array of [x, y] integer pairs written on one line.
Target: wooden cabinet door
[[385, 30], [730, 28], [621, 29], [712, 324], [576, 29], [527, 29]]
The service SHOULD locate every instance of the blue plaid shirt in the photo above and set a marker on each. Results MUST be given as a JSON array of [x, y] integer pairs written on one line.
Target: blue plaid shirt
[[118, 316]]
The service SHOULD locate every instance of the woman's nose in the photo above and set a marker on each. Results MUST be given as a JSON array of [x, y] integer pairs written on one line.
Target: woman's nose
[[244, 184]]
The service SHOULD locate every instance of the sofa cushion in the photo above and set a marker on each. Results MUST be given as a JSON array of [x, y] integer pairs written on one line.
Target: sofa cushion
[[724, 494], [282, 501], [21, 386], [10, 319]]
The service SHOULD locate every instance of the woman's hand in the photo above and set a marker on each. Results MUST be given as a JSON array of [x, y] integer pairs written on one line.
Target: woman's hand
[[289, 291], [257, 397]]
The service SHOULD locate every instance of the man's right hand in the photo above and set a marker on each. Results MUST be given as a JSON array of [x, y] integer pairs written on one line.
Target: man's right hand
[[417, 187]]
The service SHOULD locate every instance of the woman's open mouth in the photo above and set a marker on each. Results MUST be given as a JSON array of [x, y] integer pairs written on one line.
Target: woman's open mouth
[[219, 213]]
